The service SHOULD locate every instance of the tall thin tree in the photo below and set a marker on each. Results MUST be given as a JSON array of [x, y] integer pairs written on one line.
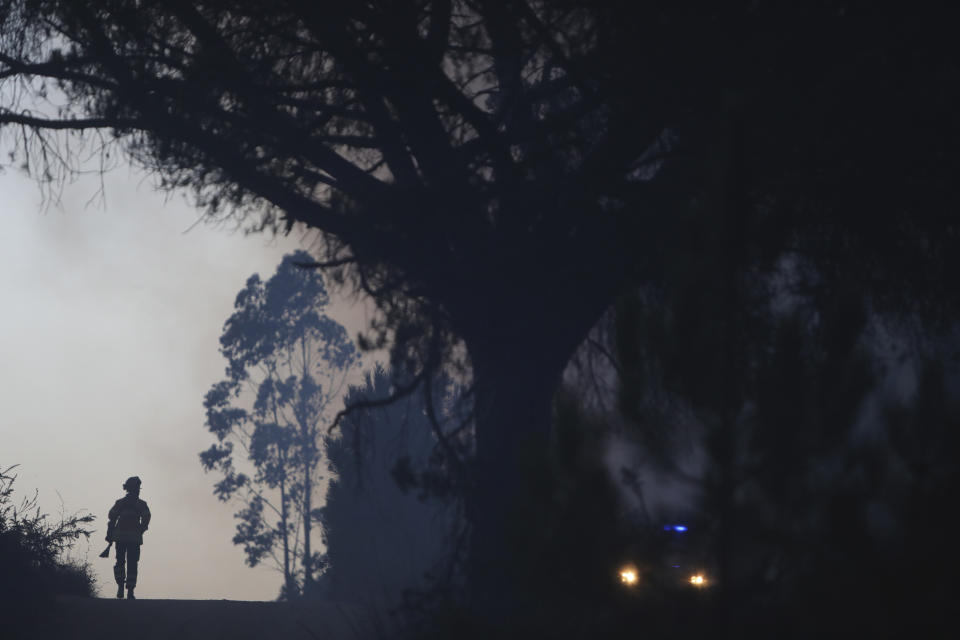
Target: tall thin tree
[[288, 364]]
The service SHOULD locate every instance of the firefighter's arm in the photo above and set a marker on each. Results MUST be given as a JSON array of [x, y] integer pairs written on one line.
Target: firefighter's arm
[[111, 522], [144, 518]]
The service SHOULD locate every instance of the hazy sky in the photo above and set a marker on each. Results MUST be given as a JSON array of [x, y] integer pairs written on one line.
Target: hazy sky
[[108, 341]]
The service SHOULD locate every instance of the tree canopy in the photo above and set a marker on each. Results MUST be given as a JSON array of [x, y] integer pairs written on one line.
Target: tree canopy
[[461, 150]]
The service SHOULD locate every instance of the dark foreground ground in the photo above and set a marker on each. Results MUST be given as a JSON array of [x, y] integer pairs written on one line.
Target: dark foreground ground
[[71, 618]]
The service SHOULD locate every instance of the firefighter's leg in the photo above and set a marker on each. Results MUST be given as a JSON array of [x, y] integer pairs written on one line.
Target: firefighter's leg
[[133, 557], [118, 567]]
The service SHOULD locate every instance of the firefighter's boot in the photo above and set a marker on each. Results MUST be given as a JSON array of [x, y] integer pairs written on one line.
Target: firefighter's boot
[[118, 576]]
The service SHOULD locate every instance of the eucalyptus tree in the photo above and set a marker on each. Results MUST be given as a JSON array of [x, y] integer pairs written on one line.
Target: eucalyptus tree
[[288, 364]]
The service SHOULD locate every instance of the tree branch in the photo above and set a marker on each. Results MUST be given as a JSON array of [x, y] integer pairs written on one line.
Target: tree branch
[[76, 124], [401, 391]]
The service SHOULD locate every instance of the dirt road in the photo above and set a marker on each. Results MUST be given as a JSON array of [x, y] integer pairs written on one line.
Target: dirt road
[[109, 619]]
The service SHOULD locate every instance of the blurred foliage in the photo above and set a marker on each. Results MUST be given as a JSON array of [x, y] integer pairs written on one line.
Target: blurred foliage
[[389, 529], [826, 473], [844, 480]]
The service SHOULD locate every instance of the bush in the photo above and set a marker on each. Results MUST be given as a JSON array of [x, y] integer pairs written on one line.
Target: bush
[[33, 551]]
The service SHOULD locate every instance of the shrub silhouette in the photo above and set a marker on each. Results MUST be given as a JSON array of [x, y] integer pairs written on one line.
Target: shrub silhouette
[[33, 550]]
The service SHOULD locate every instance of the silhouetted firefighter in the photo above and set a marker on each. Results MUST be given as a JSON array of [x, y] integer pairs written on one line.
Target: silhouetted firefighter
[[128, 519]]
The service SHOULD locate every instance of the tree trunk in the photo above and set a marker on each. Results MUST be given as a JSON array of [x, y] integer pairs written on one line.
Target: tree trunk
[[287, 575], [307, 557], [515, 383], [519, 336], [308, 442], [733, 206]]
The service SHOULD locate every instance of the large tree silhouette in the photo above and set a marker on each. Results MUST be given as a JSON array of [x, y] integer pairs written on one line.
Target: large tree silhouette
[[495, 173]]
